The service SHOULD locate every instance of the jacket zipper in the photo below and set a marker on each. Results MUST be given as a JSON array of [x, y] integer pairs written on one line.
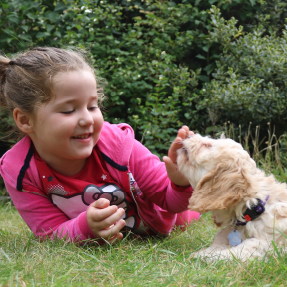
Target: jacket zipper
[[139, 212]]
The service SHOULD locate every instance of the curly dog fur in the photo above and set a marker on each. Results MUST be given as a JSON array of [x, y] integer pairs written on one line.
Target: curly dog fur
[[226, 182]]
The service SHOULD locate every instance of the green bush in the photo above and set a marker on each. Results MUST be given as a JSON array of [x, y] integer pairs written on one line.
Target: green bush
[[250, 79], [167, 63], [127, 41]]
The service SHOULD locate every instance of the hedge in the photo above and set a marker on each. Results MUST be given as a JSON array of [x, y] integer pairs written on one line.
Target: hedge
[[167, 63]]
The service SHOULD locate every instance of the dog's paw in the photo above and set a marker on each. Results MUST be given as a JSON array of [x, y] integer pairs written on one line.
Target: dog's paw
[[227, 254], [212, 254], [215, 256], [221, 252]]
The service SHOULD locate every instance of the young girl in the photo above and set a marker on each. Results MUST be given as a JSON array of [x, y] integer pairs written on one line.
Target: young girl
[[74, 175]]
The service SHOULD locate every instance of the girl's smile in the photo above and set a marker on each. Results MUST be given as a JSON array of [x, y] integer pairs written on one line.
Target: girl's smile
[[83, 137]]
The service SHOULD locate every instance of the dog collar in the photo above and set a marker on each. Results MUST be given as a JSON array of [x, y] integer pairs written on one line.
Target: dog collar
[[254, 212]]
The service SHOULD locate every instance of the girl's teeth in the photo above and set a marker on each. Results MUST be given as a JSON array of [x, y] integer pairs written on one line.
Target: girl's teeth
[[81, 137]]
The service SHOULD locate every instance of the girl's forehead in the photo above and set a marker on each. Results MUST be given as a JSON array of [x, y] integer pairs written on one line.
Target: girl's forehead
[[74, 80], [73, 86], [69, 77]]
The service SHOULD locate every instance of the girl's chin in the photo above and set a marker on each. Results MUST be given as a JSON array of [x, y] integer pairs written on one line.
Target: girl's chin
[[81, 153], [85, 154]]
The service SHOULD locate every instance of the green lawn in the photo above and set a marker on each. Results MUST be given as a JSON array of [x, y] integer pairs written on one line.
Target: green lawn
[[24, 261]]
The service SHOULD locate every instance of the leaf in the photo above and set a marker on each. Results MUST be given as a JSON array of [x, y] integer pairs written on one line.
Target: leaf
[[25, 37], [60, 7], [50, 27], [199, 56], [205, 48], [31, 16], [52, 16], [58, 34], [9, 31], [203, 78], [42, 34], [13, 19], [25, 28]]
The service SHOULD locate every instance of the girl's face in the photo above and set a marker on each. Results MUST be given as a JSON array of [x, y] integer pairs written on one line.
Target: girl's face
[[66, 129]]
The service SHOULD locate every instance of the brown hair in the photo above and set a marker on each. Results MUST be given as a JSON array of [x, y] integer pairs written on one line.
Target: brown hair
[[26, 81]]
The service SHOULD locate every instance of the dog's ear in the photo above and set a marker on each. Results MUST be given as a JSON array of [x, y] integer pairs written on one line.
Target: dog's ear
[[222, 188]]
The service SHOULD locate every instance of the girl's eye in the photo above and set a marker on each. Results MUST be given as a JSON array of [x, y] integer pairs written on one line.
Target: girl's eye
[[92, 108], [68, 112]]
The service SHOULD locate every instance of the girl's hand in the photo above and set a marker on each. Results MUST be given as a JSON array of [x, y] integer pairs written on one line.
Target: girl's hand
[[170, 162], [104, 220]]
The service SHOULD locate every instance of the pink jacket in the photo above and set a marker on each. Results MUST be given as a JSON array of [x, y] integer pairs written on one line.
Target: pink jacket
[[158, 201]]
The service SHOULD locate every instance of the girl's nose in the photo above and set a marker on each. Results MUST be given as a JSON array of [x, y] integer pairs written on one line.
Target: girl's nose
[[86, 119]]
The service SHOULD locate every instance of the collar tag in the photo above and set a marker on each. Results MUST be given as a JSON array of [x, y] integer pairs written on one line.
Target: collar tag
[[234, 238]]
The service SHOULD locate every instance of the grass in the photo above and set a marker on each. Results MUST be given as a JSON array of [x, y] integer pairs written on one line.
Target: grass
[[269, 152], [24, 261]]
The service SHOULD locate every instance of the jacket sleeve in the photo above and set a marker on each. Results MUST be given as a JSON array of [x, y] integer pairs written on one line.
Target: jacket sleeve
[[151, 176], [45, 219]]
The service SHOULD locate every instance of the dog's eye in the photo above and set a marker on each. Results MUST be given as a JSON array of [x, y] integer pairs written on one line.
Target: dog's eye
[[184, 149], [190, 136]]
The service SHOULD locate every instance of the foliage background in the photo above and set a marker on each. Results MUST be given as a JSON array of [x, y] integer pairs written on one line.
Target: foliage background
[[167, 63], [212, 65]]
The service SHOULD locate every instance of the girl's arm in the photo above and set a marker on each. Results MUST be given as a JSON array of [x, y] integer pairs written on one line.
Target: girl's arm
[[151, 176], [45, 219]]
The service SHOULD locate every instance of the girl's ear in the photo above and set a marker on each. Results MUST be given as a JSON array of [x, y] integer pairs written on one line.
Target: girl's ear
[[222, 188], [23, 121]]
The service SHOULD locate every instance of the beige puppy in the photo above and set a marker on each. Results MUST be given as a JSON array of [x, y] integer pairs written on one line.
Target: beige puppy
[[250, 207]]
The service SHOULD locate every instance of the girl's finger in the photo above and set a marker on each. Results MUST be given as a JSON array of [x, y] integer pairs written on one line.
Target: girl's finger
[[115, 229], [99, 215], [101, 203], [177, 144], [109, 221], [183, 132]]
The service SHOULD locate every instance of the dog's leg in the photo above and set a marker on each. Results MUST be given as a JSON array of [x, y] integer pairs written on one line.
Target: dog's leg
[[219, 243], [249, 249], [221, 238]]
